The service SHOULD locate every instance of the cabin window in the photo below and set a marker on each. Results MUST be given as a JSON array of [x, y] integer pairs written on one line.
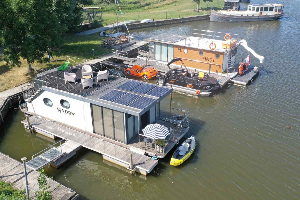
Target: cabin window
[[271, 8], [253, 8], [64, 104], [249, 8], [185, 50], [48, 102], [201, 53], [261, 8], [257, 9], [217, 55], [265, 8]]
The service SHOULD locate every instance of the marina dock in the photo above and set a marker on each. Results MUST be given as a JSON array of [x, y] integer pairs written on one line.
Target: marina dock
[[113, 151], [246, 79], [12, 171]]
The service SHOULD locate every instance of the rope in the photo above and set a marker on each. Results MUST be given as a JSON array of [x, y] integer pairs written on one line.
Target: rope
[[122, 16]]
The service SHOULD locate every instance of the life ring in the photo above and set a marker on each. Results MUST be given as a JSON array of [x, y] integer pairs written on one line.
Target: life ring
[[197, 92], [227, 37], [212, 46]]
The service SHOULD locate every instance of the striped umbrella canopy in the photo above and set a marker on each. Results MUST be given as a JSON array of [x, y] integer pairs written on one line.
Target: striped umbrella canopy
[[156, 131]]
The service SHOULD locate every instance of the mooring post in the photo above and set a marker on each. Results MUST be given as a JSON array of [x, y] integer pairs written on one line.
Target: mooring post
[[28, 122], [209, 68], [1, 116], [25, 174], [131, 163]]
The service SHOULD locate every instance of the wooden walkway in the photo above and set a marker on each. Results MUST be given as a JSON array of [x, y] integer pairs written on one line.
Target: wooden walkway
[[12, 171], [117, 153], [8, 97]]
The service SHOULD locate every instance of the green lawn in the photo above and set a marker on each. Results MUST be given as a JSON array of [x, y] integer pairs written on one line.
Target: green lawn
[[76, 49], [155, 9]]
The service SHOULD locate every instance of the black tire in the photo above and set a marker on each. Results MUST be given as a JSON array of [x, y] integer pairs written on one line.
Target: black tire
[[128, 72], [145, 77]]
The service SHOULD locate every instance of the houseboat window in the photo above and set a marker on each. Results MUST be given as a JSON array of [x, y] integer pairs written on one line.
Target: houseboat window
[[130, 127], [157, 51], [257, 9], [271, 8], [261, 8], [266, 8], [119, 126], [217, 55], [170, 52], [164, 52], [185, 50], [108, 123], [201, 53], [48, 102], [97, 120], [64, 104]]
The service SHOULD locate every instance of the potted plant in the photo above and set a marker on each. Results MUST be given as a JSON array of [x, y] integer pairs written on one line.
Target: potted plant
[[160, 144]]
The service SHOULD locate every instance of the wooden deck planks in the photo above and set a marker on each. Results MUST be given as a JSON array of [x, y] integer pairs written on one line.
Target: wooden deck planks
[[117, 152], [12, 171]]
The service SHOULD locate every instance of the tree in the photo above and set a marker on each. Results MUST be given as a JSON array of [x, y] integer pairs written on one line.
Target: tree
[[30, 27], [198, 4]]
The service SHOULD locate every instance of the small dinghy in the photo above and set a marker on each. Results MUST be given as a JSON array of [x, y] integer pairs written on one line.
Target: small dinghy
[[183, 152]]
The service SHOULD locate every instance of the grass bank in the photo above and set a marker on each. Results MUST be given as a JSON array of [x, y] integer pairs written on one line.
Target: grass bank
[[76, 49], [155, 9], [7, 192]]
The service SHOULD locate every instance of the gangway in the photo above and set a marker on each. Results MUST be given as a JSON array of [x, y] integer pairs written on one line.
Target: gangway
[[46, 156]]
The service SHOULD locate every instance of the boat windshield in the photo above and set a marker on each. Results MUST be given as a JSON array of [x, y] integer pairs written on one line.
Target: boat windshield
[[280, 8]]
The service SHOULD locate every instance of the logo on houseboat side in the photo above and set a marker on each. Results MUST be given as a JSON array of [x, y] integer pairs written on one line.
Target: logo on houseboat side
[[61, 110]]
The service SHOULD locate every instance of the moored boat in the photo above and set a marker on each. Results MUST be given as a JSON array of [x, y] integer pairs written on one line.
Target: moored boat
[[183, 152], [255, 12]]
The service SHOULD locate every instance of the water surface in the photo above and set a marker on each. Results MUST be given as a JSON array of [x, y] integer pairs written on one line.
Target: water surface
[[247, 137]]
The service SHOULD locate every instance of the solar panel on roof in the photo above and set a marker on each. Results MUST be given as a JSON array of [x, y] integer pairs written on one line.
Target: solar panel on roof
[[130, 85], [112, 95], [143, 88], [127, 99], [158, 91], [142, 103]]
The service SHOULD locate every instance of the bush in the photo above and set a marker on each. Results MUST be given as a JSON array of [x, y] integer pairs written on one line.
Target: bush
[[7, 192], [96, 24]]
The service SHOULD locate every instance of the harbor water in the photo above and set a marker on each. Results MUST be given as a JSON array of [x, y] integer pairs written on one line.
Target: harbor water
[[248, 138]]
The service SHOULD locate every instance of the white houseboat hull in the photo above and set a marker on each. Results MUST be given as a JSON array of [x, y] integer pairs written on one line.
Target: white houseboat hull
[[219, 17]]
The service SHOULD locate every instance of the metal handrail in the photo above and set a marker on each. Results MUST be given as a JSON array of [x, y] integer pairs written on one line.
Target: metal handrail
[[50, 147]]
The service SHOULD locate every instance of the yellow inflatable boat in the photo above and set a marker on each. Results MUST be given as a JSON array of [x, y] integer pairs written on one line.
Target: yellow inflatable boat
[[183, 152]]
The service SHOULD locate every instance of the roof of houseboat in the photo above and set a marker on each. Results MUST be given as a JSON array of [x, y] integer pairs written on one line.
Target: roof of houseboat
[[192, 42], [267, 5], [121, 94]]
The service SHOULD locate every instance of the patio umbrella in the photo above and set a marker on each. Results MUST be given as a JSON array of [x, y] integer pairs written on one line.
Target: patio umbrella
[[156, 131]]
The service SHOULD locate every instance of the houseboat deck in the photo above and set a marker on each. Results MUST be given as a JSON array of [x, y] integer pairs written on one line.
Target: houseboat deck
[[149, 147], [110, 149]]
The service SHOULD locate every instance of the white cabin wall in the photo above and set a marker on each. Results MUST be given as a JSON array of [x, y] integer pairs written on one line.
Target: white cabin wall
[[78, 115]]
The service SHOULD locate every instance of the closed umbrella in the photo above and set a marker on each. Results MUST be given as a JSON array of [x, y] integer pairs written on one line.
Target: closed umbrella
[[156, 131]]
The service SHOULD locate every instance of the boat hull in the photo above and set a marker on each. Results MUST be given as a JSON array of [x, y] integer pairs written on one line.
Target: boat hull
[[218, 17], [177, 162]]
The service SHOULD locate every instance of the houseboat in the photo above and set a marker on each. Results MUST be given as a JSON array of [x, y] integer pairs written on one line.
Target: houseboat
[[103, 113], [254, 12], [200, 66]]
